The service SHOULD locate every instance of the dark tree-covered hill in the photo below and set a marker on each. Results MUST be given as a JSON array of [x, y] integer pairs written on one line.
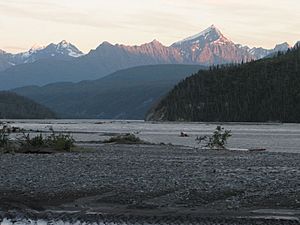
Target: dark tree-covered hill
[[126, 94], [259, 91], [13, 106]]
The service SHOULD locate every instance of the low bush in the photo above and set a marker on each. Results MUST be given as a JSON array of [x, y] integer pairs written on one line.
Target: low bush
[[38, 144], [125, 139], [63, 142], [4, 138], [6, 144], [35, 142]]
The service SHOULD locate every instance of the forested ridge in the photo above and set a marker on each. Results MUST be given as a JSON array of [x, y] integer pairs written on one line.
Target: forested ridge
[[125, 94], [259, 91], [13, 106]]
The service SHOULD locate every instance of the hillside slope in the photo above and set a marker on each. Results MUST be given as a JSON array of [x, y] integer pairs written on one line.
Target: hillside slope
[[265, 90], [13, 106], [126, 94]]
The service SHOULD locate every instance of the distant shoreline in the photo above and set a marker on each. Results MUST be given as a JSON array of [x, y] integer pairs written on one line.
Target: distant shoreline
[[143, 121]]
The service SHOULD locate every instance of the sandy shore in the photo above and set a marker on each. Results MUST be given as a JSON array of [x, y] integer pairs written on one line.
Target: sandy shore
[[153, 183]]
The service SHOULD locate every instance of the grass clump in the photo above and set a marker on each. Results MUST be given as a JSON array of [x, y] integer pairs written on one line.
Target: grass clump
[[125, 139], [6, 144], [63, 142], [27, 142], [55, 141], [4, 138]]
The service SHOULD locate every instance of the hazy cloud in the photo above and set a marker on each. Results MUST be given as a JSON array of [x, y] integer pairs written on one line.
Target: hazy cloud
[[89, 22], [55, 13]]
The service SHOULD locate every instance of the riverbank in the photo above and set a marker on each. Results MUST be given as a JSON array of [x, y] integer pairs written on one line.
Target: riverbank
[[273, 137], [121, 181]]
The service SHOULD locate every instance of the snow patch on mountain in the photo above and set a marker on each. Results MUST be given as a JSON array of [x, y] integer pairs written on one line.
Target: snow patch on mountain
[[65, 47], [260, 53], [204, 34]]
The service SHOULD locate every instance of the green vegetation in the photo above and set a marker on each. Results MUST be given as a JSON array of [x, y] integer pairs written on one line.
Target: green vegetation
[[13, 106], [4, 138], [260, 91], [55, 142], [218, 140], [35, 142], [62, 142], [125, 139]]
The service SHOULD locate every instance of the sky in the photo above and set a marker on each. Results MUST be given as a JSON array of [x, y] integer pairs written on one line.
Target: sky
[[87, 23]]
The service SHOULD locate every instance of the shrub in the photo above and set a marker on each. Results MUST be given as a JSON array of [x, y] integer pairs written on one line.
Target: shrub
[[35, 142], [6, 145], [218, 140], [63, 142], [125, 139], [60, 142], [4, 138]]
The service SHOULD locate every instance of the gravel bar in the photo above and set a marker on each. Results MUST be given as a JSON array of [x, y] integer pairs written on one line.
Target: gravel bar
[[154, 184]]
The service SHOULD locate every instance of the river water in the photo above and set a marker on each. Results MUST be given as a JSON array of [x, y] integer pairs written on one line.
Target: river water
[[273, 137]]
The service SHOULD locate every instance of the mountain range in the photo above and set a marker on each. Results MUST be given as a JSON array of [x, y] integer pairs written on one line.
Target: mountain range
[[60, 51], [63, 62]]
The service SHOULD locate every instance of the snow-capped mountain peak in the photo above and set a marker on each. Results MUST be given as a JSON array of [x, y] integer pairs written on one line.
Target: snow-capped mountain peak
[[297, 44], [36, 47], [282, 47], [62, 51], [210, 34], [64, 44], [259, 53], [210, 46], [3, 52], [155, 42], [66, 48]]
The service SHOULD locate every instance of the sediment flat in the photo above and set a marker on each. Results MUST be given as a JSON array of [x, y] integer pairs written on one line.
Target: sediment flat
[[153, 183]]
